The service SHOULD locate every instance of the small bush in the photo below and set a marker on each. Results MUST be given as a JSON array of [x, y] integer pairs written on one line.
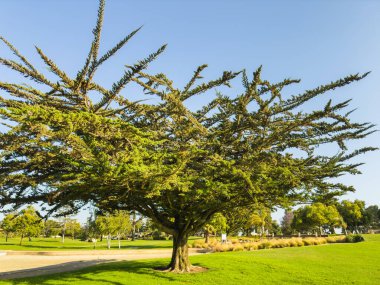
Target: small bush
[[354, 238], [238, 247], [157, 235]]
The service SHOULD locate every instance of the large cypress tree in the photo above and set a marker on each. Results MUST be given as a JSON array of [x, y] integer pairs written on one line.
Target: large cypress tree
[[64, 147]]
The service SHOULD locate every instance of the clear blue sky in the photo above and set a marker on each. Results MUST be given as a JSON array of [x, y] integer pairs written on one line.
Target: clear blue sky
[[317, 41]]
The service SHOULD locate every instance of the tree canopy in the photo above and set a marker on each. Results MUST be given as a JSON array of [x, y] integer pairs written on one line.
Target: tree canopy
[[70, 141]]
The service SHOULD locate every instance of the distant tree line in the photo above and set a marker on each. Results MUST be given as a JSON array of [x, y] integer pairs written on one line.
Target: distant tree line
[[320, 218], [117, 225], [317, 218]]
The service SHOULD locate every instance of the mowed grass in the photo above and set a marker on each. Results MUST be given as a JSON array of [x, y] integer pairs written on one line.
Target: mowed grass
[[325, 264], [46, 244]]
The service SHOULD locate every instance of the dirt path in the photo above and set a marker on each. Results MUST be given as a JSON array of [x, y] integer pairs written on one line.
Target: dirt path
[[19, 264]]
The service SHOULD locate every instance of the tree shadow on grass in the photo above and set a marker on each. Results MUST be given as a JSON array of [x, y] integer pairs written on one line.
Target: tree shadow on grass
[[111, 273]]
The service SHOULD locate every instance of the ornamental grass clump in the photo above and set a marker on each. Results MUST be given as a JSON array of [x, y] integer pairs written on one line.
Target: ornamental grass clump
[[336, 239], [280, 243], [249, 246], [216, 246], [294, 242]]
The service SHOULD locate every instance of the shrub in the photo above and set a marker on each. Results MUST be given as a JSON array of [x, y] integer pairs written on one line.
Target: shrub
[[157, 235], [354, 238]]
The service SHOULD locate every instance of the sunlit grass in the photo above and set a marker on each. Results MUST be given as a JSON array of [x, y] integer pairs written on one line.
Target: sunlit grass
[[44, 244], [357, 263]]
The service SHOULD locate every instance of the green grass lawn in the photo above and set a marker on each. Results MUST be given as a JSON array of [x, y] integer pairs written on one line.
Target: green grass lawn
[[45, 244], [325, 264]]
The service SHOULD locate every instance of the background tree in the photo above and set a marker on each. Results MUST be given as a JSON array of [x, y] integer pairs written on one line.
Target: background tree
[[286, 222], [51, 228], [316, 218], [275, 228], [259, 220], [334, 219], [28, 223], [73, 227], [373, 214], [217, 224], [123, 224], [237, 219], [106, 225], [174, 165], [8, 225], [353, 214], [136, 223]]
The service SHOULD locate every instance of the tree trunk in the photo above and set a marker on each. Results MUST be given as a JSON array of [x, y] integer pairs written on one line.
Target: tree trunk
[[22, 236], [118, 237], [6, 237], [133, 225], [207, 236], [109, 241], [180, 257]]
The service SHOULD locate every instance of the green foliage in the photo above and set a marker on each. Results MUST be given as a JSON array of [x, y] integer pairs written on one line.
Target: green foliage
[[157, 235], [372, 214], [316, 217], [73, 228], [117, 223], [51, 228], [217, 224], [27, 223], [174, 165], [353, 214], [354, 238], [286, 223], [8, 225], [331, 264]]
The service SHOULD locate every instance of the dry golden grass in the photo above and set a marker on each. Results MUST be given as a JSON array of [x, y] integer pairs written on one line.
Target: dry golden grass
[[252, 244]]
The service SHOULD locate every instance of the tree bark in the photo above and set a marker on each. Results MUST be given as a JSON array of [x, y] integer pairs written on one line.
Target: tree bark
[[22, 236], [180, 257], [6, 237]]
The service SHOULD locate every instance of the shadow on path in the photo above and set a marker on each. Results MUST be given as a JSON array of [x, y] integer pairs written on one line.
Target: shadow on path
[[51, 269]]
